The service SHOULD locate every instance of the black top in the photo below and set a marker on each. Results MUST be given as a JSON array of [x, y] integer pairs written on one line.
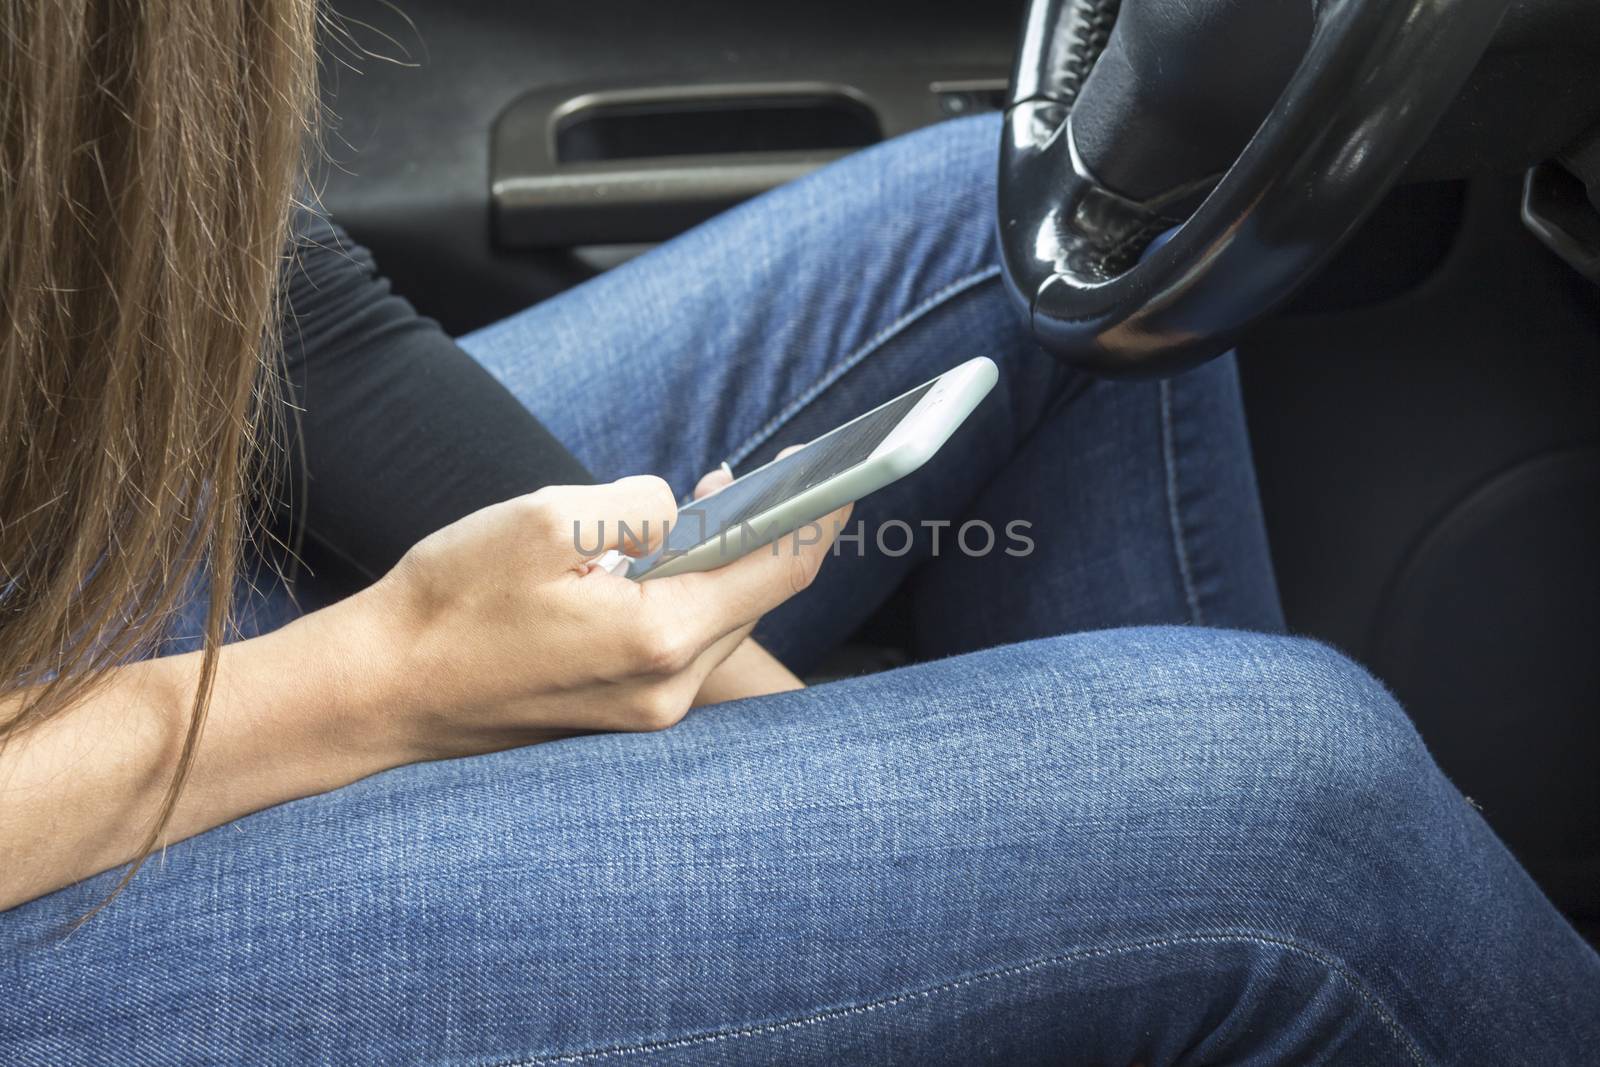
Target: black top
[[399, 431]]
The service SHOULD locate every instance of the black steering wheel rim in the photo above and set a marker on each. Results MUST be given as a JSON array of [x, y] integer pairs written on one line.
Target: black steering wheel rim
[[1082, 259]]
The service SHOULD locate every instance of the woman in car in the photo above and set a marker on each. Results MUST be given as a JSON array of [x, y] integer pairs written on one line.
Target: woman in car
[[1112, 814]]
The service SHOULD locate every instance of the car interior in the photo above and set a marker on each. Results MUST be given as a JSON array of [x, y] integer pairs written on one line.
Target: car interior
[[1424, 399]]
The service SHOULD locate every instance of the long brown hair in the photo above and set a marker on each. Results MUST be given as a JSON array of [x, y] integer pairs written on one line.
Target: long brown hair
[[151, 153]]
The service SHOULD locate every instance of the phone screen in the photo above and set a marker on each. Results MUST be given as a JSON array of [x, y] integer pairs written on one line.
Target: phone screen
[[757, 492]]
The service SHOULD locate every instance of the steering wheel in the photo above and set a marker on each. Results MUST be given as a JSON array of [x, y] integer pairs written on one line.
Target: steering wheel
[[1147, 214]]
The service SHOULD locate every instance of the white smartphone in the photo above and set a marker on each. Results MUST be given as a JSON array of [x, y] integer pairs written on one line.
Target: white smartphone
[[843, 465]]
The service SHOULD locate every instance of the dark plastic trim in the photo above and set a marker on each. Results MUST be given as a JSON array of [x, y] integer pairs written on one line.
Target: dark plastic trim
[[1557, 210], [543, 201]]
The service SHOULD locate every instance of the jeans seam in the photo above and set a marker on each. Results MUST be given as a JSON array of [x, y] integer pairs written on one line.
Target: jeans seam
[[855, 358], [1169, 459], [1221, 937]]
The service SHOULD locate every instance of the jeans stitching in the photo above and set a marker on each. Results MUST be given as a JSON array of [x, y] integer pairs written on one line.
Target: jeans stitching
[[854, 359], [1174, 513], [1222, 937]]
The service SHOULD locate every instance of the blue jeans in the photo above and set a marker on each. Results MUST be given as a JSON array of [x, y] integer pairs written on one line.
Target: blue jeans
[[1099, 823]]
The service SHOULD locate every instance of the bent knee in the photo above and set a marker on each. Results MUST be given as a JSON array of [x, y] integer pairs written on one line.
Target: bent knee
[[1235, 729], [1239, 779]]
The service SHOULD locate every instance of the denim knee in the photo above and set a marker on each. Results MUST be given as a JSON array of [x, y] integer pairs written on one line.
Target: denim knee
[[1242, 779], [1320, 739], [1288, 703], [1261, 701]]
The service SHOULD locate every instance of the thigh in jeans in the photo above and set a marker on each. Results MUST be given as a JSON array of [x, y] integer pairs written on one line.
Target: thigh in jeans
[[783, 318], [1158, 846], [777, 321]]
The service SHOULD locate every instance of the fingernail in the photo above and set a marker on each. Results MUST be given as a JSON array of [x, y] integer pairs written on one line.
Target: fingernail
[[612, 562]]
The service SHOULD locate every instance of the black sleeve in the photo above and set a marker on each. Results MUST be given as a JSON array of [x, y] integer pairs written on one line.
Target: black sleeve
[[395, 431]]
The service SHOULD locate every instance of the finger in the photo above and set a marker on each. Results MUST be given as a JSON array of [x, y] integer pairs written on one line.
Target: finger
[[749, 670], [665, 699], [715, 602], [715, 480], [716, 652], [671, 642], [630, 515]]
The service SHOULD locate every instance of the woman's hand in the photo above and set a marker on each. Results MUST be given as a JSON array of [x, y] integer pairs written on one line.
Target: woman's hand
[[749, 670], [494, 632], [501, 633]]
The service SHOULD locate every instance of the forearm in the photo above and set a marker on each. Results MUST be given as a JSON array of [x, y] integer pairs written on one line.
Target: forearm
[[300, 711], [431, 661]]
